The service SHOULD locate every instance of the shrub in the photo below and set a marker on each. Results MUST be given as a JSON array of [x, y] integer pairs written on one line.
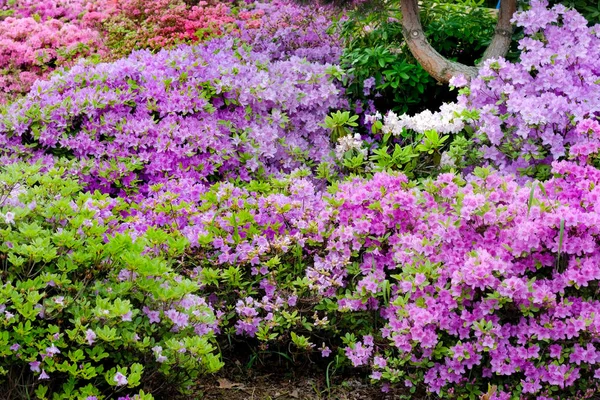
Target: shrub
[[529, 110], [482, 283], [469, 287], [155, 25], [31, 49], [250, 248], [86, 313], [174, 114], [284, 29]]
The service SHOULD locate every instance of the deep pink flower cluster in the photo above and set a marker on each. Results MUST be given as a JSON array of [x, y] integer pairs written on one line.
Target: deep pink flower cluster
[[208, 112], [139, 24], [31, 49], [86, 11], [488, 278], [529, 110]]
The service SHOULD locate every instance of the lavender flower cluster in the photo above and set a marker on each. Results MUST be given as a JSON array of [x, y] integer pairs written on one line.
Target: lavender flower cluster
[[283, 29], [529, 110], [207, 112]]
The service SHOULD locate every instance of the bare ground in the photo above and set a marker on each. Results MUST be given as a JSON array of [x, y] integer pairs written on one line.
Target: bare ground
[[281, 380]]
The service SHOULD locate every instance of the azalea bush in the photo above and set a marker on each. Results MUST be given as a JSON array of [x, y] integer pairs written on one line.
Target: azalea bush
[[248, 248], [483, 284], [284, 29], [138, 24], [529, 111], [253, 248], [212, 112], [85, 312], [462, 276], [32, 49]]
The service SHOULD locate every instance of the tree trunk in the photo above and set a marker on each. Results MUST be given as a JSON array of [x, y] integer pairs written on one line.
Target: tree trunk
[[439, 67], [503, 33]]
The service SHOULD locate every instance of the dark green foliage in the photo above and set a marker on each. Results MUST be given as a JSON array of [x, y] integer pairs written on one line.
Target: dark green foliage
[[375, 48]]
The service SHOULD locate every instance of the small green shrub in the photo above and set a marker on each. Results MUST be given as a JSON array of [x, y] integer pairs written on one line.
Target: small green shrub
[[85, 312]]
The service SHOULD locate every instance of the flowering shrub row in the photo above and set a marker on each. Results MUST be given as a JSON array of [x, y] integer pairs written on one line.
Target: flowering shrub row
[[481, 279], [208, 112], [479, 282], [39, 37]]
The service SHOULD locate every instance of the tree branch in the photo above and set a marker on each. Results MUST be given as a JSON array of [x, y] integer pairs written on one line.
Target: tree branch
[[503, 34], [438, 66]]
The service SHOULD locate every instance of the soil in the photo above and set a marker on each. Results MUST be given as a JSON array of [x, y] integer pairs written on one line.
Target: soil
[[274, 386], [278, 379]]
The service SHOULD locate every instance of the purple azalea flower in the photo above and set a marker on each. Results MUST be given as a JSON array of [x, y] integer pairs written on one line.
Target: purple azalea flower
[[52, 350], [120, 379], [35, 366], [90, 336]]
